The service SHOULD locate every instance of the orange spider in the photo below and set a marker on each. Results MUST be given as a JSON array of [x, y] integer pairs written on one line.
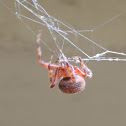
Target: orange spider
[[71, 77]]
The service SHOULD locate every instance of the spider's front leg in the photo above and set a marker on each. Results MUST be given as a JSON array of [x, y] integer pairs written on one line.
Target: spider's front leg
[[85, 71], [46, 65], [39, 52]]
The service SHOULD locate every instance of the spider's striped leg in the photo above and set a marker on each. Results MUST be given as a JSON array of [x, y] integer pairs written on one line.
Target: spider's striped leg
[[73, 75], [71, 72], [86, 72], [39, 52], [54, 77], [84, 68], [64, 57], [79, 72], [78, 60], [69, 67]]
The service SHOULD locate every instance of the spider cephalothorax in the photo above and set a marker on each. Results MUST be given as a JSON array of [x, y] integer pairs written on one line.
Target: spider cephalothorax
[[71, 77]]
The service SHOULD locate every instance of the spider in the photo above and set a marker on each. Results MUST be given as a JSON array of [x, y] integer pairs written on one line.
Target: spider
[[71, 78]]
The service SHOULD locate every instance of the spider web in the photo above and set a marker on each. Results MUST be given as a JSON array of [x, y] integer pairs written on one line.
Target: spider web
[[62, 35]]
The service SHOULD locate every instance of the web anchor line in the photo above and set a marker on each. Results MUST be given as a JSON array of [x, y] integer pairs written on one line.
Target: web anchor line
[[54, 24]]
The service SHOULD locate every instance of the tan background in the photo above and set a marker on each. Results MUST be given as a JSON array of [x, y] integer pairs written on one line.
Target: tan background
[[25, 96]]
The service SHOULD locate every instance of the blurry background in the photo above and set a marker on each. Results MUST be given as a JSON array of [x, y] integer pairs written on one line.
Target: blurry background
[[25, 96]]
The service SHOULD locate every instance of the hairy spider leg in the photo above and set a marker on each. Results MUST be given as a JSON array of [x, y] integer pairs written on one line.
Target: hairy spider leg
[[69, 67], [64, 57], [53, 77], [79, 72], [80, 61], [83, 67], [39, 52], [73, 74], [85, 71]]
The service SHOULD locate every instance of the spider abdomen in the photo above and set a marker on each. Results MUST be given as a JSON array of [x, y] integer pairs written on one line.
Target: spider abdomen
[[66, 85]]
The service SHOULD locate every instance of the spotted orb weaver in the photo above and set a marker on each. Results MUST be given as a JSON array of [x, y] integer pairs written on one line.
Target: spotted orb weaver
[[71, 77]]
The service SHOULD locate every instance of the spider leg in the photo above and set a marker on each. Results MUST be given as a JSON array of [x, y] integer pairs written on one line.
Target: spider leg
[[78, 71], [71, 72], [69, 67], [78, 60], [54, 77], [85, 72], [64, 57], [44, 64]]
